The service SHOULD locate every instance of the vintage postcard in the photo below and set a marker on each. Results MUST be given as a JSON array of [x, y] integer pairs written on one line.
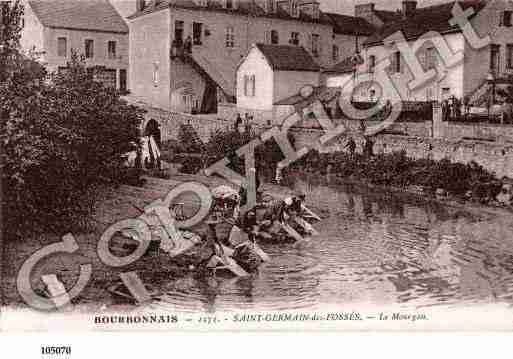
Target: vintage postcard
[[269, 165]]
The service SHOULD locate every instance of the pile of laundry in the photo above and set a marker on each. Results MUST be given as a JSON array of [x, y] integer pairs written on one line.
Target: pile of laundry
[[237, 252]]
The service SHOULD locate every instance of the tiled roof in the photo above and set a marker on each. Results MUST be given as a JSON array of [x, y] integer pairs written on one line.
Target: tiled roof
[[387, 16], [288, 58], [346, 65], [322, 93], [93, 15], [243, 8], [350, 25], [432, 18]]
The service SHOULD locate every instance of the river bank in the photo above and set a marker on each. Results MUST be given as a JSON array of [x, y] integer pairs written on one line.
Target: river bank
[[157, 270]]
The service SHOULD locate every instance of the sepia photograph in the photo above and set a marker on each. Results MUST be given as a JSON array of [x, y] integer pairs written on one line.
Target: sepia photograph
[[268, 165]]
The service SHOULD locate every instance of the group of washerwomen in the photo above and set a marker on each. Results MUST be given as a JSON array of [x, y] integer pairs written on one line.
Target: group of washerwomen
[[276, 211]]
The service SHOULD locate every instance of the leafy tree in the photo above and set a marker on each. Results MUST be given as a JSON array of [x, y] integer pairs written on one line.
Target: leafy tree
[[10, 33], [62, 136]]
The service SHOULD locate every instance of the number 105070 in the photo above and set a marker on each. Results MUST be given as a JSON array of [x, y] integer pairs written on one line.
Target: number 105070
[[51, 350]]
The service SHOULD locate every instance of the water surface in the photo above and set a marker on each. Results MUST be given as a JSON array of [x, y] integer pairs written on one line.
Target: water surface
[[374, 247]]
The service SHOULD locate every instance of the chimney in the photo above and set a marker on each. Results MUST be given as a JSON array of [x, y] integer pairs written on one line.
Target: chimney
[[139, 5], [366, 11], [363, 10], [409, 7]]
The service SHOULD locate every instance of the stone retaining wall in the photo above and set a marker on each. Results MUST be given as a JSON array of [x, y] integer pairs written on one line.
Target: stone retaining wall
[[494, 156]]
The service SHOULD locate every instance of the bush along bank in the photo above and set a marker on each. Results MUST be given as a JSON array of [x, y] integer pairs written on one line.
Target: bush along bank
[[438, 178], [224, 144]]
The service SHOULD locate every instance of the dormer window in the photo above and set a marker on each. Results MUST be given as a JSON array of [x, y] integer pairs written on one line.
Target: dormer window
[[294, 8], [315, 11], [271, 6]]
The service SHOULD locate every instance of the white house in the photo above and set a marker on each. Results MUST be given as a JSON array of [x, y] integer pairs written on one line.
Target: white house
[[270, 73], [460, 67]]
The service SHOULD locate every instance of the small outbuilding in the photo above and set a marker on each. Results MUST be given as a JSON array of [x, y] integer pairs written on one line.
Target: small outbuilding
[[270, 73]]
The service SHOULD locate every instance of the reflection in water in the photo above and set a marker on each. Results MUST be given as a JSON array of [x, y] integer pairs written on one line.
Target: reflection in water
[[376, 248]]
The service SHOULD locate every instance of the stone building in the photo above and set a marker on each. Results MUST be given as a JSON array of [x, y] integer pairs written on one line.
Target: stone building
[[92, 28], [430, 58], [184, 53]]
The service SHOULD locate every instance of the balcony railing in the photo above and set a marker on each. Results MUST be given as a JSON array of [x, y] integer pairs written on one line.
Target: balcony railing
[[180, 49]]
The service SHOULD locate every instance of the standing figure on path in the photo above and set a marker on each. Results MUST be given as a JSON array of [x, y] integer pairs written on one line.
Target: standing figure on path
[[188, 45], [363, 127], [351, 146], [238, 122], [278, 177], [368, 147], [445, 110]]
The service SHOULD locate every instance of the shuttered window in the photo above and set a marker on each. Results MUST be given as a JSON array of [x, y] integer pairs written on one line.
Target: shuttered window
[[315, 44], [431, 58], [89, 49], [61, 47], [249, 85], [335, 53], [395, 62], [274, 37], [111, 49]]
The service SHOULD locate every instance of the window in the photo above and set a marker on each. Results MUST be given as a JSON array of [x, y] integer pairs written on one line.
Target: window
[[396, 62], [495, 53], [372, 63], [249, 85], [89, 49], [62, 47], [179, 31], [315, 44], [230, 37], [111, 49], [229, 4], [155, 74], [431, 58], [509, 56], [196, 33], [294, 38], [335, 53], [122, 80], [430, 94], [274, 37], [506, 20]]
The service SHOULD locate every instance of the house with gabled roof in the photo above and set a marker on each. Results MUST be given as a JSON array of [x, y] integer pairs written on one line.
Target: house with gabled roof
[[219, 35], [92, 28], [271, 73], [460, 67]]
